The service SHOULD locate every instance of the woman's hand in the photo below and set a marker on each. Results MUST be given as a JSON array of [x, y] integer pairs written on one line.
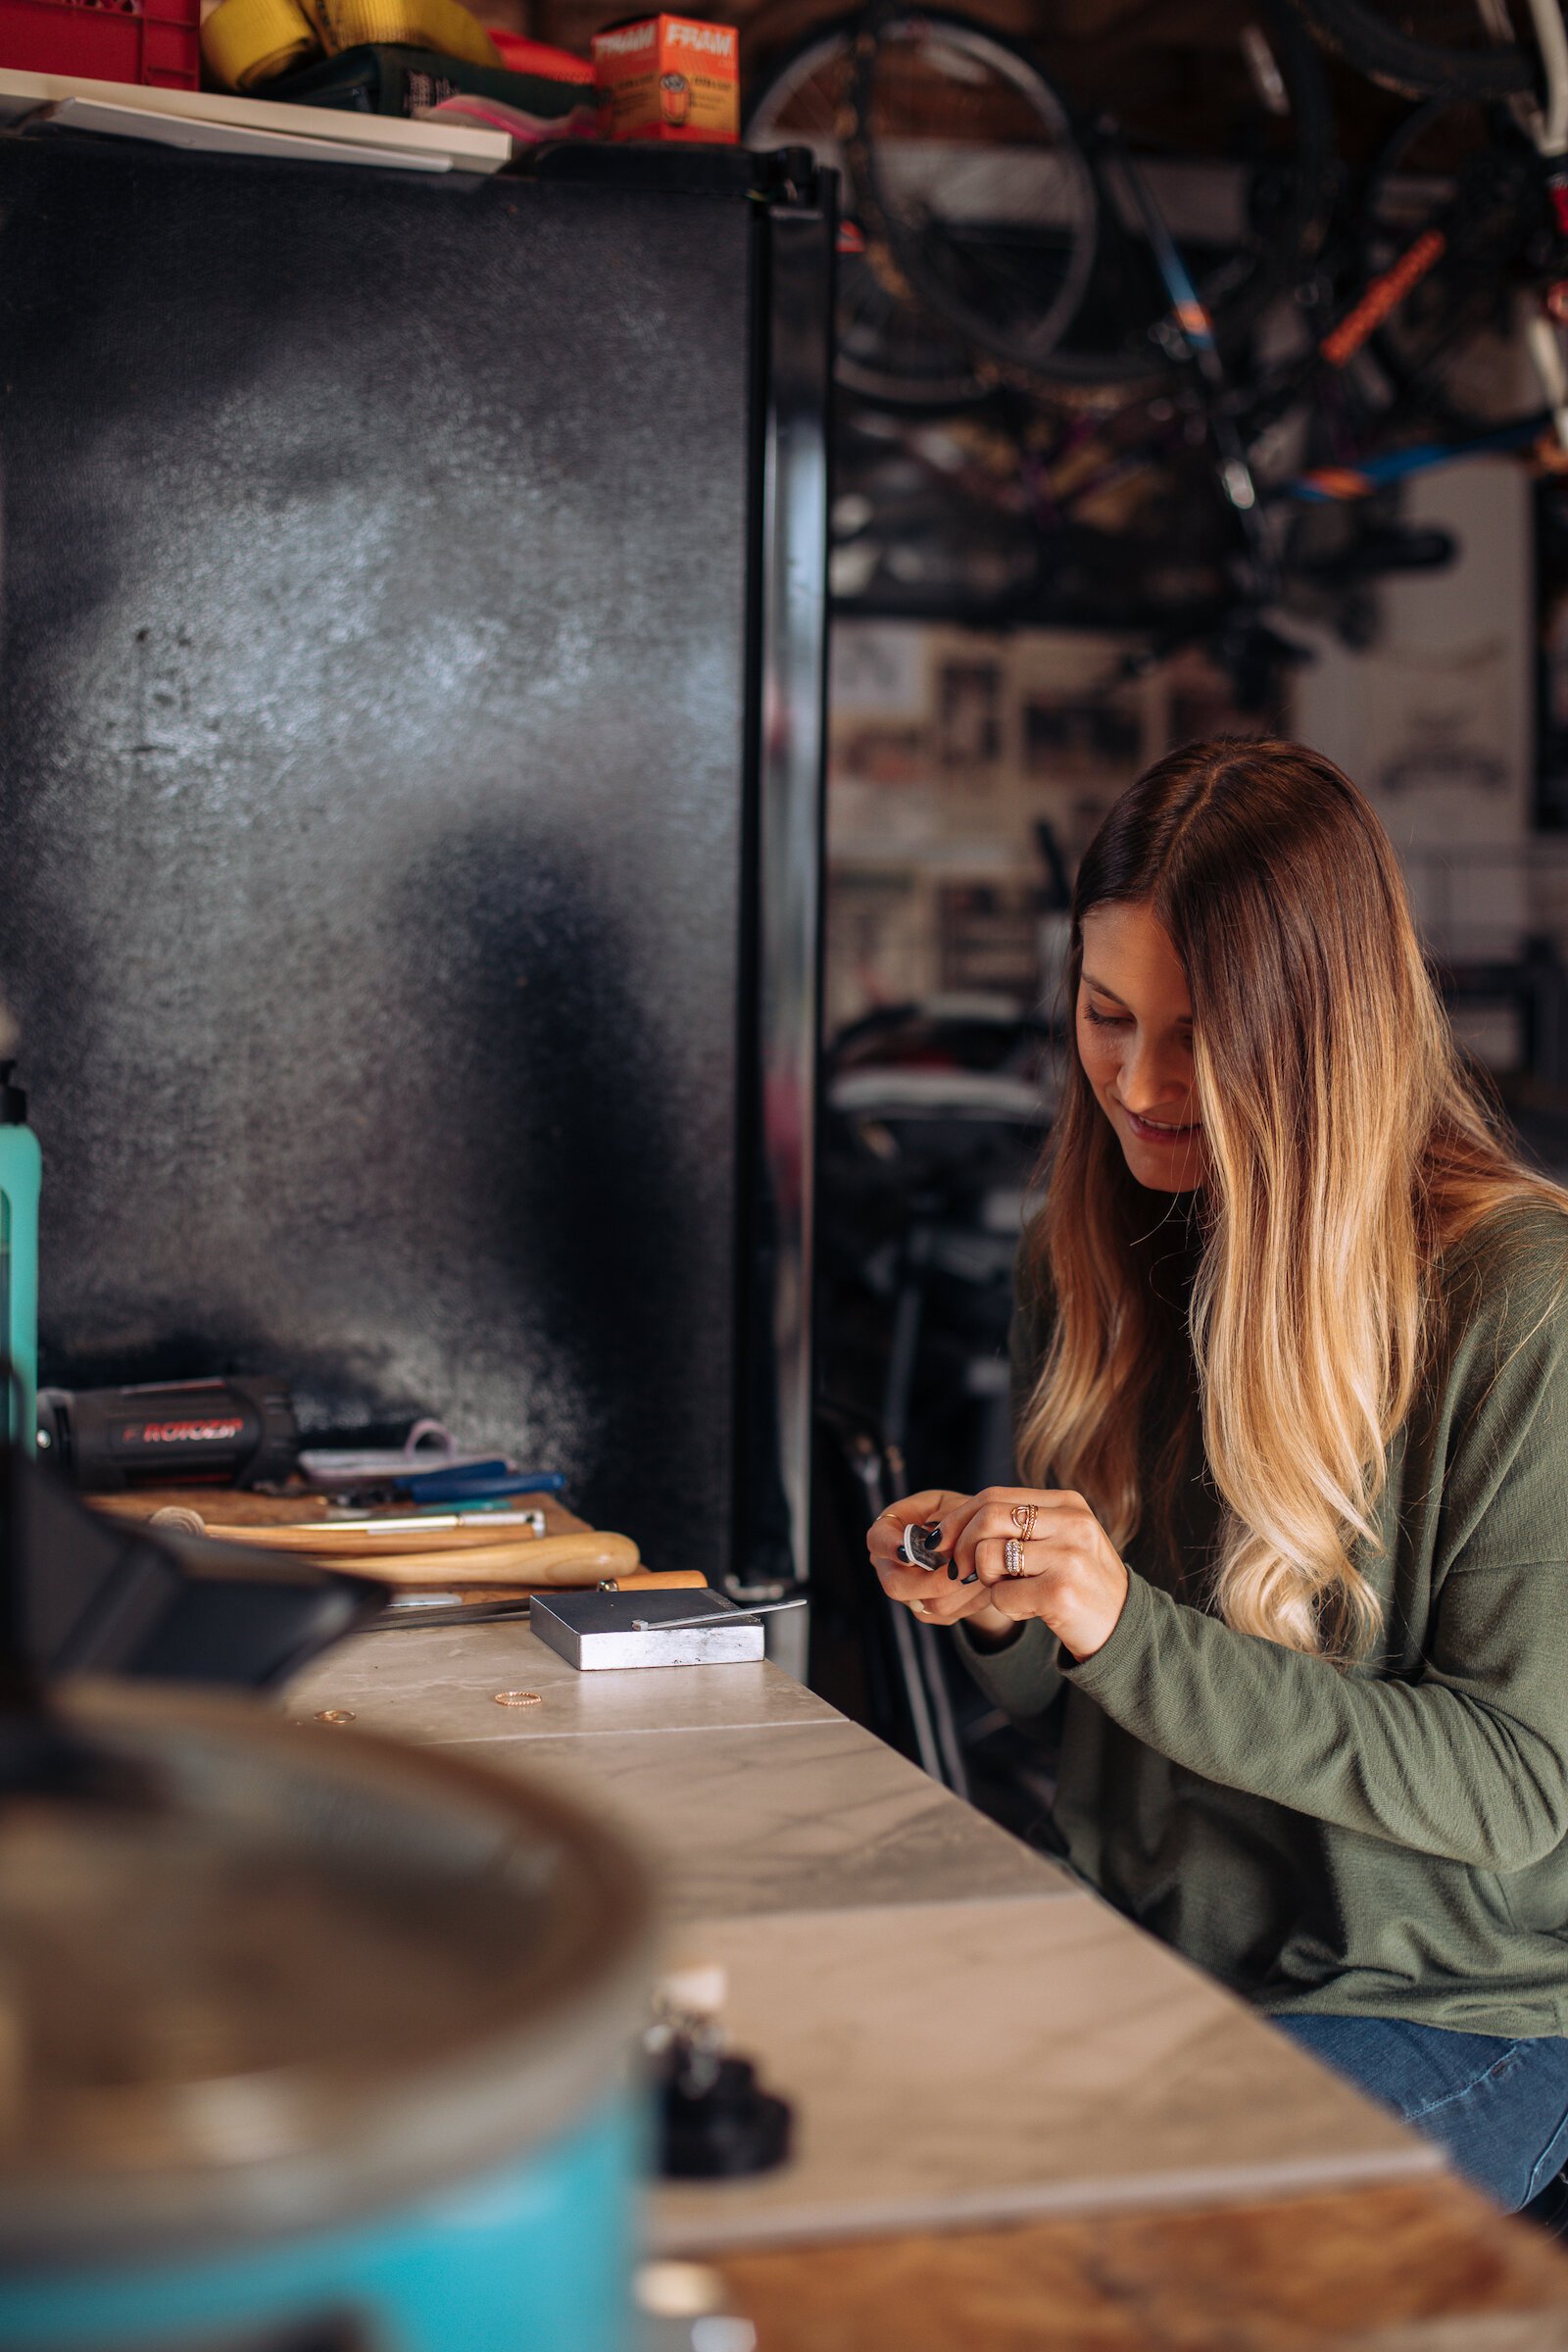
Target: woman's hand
[[1072, 1579], [934, 1596]]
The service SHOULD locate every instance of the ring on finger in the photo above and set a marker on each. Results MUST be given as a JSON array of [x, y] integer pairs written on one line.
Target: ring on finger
[[1012, 1557], [919, 1608], [1023, 1516]]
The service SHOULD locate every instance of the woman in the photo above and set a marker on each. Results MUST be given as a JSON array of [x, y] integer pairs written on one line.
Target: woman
[[1292, 1545]]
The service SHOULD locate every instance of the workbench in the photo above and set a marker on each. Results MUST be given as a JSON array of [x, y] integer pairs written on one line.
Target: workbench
[[1021, 2121]]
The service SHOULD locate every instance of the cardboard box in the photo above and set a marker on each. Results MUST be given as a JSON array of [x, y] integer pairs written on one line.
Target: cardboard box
[[669, 78]]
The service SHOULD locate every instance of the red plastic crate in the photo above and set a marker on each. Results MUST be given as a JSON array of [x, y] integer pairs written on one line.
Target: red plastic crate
[[154, 41]]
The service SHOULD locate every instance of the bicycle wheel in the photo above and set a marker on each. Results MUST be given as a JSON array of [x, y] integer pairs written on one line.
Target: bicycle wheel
[[887, 349], [1425, 48], [1449, 349], [1007, 261], [975, 194]]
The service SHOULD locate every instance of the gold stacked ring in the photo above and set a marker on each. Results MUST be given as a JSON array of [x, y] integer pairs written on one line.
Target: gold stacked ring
[[1012, 1557]]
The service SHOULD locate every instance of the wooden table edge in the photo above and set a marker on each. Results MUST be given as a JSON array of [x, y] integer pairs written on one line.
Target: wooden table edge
[[1335, 2267]]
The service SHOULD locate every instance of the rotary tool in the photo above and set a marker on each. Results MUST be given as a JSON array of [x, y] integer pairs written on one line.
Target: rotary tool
[[231, 1433]]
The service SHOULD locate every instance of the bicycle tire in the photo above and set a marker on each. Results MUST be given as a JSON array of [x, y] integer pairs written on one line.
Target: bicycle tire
[[886, 351], [986, 58], [1417, 68], [1059, 368]]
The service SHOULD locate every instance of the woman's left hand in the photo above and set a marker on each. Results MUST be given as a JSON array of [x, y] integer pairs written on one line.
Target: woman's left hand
[[1071, 1576]]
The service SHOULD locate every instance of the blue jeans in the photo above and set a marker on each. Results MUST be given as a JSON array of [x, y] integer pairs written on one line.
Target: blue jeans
[[1498, 2107]]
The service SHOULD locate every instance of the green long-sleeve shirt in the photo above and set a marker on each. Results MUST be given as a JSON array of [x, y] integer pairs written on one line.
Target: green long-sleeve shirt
[[1389, 1841]]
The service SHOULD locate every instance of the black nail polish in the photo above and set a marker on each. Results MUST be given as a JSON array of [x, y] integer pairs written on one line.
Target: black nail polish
[[973, 1577], [953, 1569]]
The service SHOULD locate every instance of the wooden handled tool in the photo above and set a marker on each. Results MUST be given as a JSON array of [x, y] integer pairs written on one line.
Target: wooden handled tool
[[664, 1580], [634, 1579], [319, 1539], [547, 1561]]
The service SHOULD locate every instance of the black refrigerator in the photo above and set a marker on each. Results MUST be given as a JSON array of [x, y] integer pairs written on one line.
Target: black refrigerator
[[411, 707]]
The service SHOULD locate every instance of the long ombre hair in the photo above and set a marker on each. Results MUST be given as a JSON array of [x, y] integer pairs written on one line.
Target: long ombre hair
[[1346, 1148]]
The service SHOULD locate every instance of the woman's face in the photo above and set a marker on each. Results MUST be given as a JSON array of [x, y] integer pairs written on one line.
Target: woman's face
[[1135, 1041]]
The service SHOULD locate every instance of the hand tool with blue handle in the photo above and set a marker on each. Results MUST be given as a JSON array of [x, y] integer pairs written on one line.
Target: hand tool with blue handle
[[478, 1481]]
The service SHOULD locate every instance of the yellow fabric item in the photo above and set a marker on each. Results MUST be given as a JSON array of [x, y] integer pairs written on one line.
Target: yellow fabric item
[[245, 42], [249, 42]]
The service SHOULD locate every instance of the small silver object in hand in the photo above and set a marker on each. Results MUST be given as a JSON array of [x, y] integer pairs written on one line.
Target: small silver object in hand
[[920, 1547]]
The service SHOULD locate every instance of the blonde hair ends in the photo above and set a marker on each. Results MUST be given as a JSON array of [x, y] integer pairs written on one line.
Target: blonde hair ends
[[1347, 1148]]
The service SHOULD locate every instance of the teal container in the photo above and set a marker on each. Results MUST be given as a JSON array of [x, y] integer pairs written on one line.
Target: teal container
[[21, 1178], [315, 2033]]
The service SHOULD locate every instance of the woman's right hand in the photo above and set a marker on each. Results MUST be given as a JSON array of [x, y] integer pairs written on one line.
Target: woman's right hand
[[931, 1594]]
